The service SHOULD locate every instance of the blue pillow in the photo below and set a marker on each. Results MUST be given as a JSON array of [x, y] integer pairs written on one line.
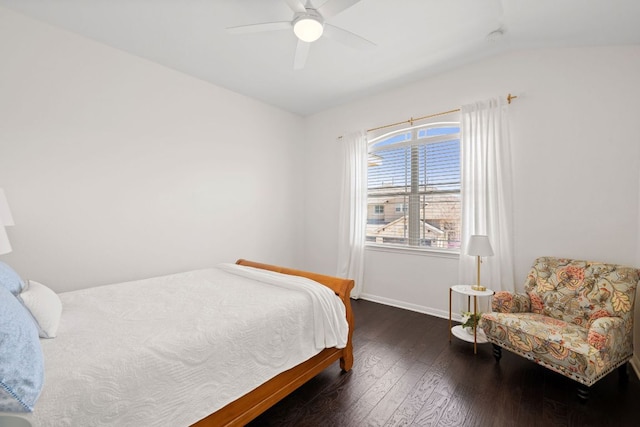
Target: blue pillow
[[10, 279], [21, 362]]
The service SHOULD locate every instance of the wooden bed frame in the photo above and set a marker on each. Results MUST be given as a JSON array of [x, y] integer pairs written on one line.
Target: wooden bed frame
[[252, 404]]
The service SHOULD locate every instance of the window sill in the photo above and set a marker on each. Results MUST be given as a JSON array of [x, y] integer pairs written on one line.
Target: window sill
[[440, 253]]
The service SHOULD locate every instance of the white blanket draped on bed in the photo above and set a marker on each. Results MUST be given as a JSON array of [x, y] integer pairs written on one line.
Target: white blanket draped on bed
[[331, 328], [170, 350]]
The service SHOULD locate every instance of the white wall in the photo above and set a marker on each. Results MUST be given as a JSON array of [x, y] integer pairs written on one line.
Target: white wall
[[576, 155], [117, 168]]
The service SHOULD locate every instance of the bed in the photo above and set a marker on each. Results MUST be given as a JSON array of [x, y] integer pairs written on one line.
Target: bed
[[161, 371]]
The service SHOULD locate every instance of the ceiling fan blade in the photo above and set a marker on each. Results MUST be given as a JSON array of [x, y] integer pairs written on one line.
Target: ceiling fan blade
[[257, 28], [347, 37], [334, 7], [296, 5], [302, 51]]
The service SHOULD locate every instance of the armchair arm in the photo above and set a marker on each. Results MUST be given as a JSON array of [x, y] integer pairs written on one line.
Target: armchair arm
[[602, 331], [508, 302]]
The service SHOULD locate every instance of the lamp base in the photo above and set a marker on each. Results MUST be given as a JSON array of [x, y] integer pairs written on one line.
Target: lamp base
[[478, 288]]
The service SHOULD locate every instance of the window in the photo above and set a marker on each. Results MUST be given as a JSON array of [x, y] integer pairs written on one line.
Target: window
[[417, 171], [378, 209]]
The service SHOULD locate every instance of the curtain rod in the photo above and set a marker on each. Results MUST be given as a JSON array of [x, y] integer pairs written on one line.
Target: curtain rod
[[411, 120]]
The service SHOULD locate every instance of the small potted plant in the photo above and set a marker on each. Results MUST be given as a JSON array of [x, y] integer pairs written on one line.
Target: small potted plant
[[470, 321]]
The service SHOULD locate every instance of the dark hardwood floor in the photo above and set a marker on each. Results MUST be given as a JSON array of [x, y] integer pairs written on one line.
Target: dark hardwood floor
[[406, 373]]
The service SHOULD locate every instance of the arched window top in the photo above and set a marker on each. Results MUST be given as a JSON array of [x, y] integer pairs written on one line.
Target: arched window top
[[418, 134]]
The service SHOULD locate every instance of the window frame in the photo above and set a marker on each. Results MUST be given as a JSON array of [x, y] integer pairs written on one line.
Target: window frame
[[414, 140]]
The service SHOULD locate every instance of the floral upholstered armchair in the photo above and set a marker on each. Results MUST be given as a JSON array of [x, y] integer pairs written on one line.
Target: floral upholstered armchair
[[575, 318]]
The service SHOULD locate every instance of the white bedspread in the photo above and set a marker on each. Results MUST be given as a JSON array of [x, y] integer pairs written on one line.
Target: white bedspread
[[170, 350]]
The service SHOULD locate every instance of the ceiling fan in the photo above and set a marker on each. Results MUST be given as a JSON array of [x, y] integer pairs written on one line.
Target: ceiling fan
[[309, 24]]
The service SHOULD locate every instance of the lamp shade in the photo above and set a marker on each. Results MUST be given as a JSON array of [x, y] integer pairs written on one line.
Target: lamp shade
[[5, 213], [5, 246], [479, 246]]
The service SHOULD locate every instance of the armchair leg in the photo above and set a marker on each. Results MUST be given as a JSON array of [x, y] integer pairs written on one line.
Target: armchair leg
[[497, 352], [583, 393], [623, 373]]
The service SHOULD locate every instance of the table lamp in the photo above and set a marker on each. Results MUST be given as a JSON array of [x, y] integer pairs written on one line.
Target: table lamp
[[5, 246], [5, 212], [479, 246], [5, 219]]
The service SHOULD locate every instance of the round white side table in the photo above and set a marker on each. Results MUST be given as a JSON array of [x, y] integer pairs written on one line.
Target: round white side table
[[478, 336]]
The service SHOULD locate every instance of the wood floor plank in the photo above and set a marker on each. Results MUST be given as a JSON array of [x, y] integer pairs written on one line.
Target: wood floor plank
[[406, 373], [418, 396], [554, 413], [407, 411], [392, 399], [432, 410], [455, 413]]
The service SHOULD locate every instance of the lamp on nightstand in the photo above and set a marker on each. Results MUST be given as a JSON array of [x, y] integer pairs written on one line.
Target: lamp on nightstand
[[5, 246], [5, 219], [479, 246], [5, 213]]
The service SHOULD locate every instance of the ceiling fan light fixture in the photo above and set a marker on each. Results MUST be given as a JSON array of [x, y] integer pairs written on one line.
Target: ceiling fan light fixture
[[308, 28]]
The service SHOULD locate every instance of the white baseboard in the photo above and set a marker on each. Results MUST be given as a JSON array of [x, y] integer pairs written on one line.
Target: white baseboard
[[635, 364], [408, 306]]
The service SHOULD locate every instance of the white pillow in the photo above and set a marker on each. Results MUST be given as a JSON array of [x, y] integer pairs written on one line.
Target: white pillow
[[45, 307]]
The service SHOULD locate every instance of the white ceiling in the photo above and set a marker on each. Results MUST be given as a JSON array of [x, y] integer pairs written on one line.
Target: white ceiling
[[414, 38]]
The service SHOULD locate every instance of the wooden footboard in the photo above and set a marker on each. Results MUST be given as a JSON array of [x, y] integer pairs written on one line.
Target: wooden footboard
[[252, 404]]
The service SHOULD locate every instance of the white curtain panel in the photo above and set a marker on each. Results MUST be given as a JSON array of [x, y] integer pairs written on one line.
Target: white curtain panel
[[486, 191], [353, 208]]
